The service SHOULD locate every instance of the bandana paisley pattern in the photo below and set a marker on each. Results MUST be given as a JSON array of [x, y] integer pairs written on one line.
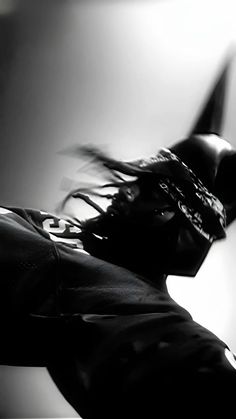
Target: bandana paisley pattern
[[199, 206]]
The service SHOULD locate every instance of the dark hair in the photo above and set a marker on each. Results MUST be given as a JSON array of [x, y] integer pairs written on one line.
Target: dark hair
[[117, 173]]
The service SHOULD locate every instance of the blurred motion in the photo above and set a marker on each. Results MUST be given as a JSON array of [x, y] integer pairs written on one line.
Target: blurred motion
[[128, 76], [212, 116]]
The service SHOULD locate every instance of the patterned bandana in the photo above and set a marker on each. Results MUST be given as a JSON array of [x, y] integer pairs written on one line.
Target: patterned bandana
[[182, 187]]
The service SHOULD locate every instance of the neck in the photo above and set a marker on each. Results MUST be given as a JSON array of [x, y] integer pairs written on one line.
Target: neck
[[158, 280], [118, 254]]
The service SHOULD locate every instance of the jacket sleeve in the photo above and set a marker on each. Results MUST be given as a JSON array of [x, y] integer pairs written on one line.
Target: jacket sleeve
[[29, 282]]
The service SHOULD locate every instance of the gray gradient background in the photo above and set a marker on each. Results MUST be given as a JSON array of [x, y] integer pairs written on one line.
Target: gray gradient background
[[129, 76]]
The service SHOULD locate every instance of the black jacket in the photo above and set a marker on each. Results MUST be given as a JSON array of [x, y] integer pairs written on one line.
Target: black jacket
[[106, 335]]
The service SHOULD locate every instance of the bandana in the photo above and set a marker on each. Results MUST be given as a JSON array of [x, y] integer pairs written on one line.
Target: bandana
[[179, 184]]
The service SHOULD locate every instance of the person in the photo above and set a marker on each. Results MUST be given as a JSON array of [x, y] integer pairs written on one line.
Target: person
[[88, 299]]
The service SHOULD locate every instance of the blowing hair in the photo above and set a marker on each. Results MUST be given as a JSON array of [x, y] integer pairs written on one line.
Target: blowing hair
[[113, 170]]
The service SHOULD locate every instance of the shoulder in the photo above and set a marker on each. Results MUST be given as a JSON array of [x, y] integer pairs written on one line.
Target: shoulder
[[42, 223], [213, 159], [211, 145], [204, 154]]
